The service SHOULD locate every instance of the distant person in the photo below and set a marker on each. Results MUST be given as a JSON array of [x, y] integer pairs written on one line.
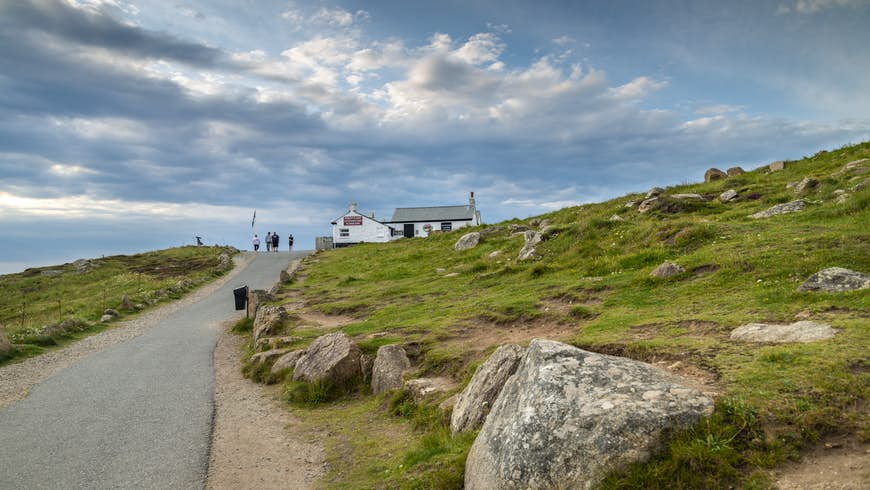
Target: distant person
[[268, 241], [275, 241], [256, 242], [199, 241], [290, 242]]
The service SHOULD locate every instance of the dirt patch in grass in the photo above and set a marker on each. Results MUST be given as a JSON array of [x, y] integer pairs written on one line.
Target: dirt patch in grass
[[322, 320], [705, 269], [694, 328], [480, 335], [836, 463]]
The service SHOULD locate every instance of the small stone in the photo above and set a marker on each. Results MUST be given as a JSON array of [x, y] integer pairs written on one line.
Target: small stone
[[666, 270], [835, 280], [654, 192], [805, 184], [616, 217], [802, 331], [106, 318], [631, 204], [789, 207], [452, 274], [494, 254], [728, 195]]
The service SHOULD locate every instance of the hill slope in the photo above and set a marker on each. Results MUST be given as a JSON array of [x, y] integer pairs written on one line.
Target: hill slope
[[590, 285]]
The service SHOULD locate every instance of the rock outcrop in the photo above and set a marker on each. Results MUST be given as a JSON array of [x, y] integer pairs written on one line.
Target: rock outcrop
[[390, 363], [836, 280], [267, 356], [666, 270], [268, 320], [735, 171], [532, 238], [654, 192], [648, 204], [803, 331], [567, 417], [776, 166], [806, 184], [714, 174], [467, 241], [785, 208], [422, 388], [287, 360], [474, 402], [255, 298], [728, 195], [334, 358]]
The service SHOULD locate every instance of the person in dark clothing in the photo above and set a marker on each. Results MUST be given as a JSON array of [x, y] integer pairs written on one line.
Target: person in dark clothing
[[290, 242], [275, 241]]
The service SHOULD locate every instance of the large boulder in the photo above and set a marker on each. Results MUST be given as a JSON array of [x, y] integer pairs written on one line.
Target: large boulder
[[268, 320], [334, 358], [735, 171], [803, 331], [666, 270], [785, 208], [654, 192], [473, 403], [568, 417], [648, 204], [467, 241], [387, 370], [714, 174], [287, 360], [835, 280], [688, 196]]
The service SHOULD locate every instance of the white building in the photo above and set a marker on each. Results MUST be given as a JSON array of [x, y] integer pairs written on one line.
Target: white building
[[419, 222], [353, 227]]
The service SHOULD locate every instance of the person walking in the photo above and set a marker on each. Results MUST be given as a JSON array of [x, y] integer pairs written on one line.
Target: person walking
[[268, 241], [290, 242], [256, 242], [275, 241]]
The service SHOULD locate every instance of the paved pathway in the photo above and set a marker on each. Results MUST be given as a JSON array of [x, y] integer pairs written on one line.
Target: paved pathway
[[135, 415]]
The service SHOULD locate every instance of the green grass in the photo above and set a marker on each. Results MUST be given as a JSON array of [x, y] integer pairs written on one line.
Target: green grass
[[36, 301], [593, 280]]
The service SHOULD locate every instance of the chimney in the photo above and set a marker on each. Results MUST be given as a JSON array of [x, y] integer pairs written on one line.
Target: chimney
[[471, 200], [352, 206]]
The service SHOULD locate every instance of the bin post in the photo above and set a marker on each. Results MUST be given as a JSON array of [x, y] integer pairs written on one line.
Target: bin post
[[241, 297]]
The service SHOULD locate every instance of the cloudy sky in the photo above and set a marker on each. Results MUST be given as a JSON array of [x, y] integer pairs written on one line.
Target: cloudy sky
[[132, 125]]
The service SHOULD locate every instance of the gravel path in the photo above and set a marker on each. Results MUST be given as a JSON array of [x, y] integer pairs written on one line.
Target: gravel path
[[134, 411], [256, 442]]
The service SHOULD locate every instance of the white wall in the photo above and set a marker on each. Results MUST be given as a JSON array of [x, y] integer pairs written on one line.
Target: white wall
[[368, 231]]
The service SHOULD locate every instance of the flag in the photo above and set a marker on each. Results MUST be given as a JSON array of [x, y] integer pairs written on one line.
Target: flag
[[254, 218]]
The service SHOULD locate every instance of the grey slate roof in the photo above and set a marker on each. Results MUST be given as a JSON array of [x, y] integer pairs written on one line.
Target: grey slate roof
[[435, 213]]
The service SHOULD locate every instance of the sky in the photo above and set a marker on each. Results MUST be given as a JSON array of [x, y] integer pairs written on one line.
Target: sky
[[128, 126]]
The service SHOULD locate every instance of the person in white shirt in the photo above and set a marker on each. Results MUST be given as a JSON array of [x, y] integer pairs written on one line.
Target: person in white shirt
[[256, 242]]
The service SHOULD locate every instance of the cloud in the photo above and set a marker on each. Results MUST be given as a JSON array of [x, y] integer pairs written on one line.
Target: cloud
[[815, 6]]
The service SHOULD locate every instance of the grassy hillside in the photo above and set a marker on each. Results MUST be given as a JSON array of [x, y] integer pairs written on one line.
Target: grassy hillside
[[591, 287], [49, 306]]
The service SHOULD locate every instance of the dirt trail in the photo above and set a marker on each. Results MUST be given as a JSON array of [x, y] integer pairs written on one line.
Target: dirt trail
[[836, 464], [257, 442]]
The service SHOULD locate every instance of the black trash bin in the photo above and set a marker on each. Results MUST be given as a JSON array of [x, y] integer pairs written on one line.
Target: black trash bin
[[241, 295]]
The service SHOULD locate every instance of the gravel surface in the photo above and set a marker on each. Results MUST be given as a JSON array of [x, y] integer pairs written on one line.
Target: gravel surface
[[129, 412], [256, 442]]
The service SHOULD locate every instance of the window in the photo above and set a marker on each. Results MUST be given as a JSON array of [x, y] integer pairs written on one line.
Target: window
[[343, 232], [447, 226]]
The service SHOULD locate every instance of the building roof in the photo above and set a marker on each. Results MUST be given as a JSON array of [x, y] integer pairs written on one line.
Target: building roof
[[356, 213], [435, 213]]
